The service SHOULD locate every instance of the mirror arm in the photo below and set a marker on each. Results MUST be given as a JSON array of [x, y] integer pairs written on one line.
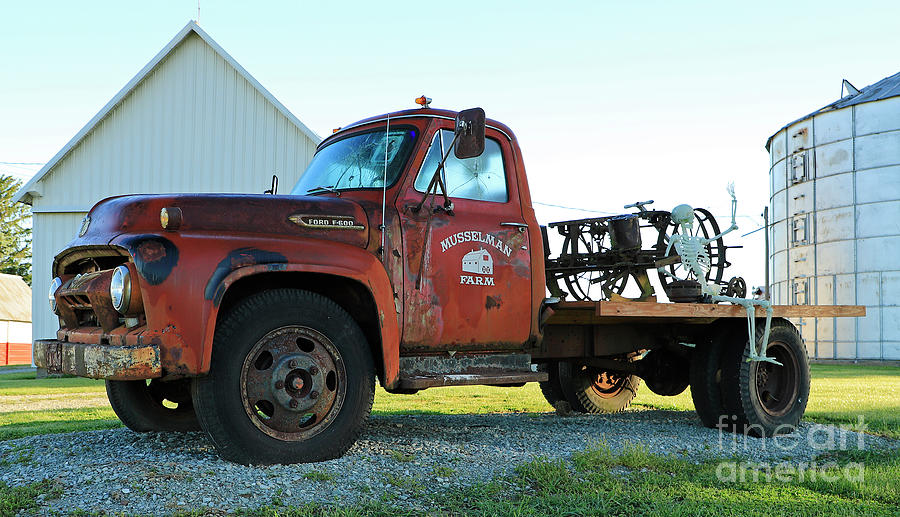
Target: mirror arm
[[274, 189], [438, 181]]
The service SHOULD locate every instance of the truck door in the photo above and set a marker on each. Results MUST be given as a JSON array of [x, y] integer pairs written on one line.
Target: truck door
[[467, 275]]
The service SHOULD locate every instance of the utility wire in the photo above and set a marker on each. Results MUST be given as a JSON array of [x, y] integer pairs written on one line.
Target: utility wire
[[721, 217]]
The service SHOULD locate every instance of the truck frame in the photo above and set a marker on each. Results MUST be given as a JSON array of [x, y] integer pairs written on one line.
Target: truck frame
[[409, 251]]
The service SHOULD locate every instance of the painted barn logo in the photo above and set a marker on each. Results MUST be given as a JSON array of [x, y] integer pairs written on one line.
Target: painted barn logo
[[479, 262]]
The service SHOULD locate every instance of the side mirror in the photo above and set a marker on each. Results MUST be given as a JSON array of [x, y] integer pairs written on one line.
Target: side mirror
[[469, 133]]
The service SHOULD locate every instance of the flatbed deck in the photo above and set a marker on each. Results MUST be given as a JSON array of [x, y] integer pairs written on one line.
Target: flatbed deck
[[609, 312]]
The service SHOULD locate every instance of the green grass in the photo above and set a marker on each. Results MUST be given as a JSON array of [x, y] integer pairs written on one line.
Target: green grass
[[25, 383], [839, 395], [596, 481], [599, 482], [461, 400], [17, 424], [14, 499]]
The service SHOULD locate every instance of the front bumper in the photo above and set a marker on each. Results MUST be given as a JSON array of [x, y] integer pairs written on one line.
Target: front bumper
[[96, 361]]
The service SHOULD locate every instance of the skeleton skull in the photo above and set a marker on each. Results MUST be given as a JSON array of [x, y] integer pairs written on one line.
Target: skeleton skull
[[683, 215]]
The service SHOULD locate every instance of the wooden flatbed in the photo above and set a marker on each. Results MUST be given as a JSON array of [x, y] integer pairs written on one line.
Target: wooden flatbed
[[609, 312]]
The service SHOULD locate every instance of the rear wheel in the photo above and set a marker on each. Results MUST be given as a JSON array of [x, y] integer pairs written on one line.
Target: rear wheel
[[766, 399], [592, 390], [706, 381], [550, 388], [291, 380], [153, 405]]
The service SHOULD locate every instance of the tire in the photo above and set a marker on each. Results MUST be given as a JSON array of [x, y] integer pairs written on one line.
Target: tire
[[291, 380], [140, 405], [550, 388], [766, 399], [589, 390], [705, 381]]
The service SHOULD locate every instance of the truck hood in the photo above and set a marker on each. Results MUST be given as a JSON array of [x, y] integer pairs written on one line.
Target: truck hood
[[265, 215]]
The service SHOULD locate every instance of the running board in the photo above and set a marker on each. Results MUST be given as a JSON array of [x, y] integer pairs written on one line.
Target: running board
[[418, 372], [498, 378]]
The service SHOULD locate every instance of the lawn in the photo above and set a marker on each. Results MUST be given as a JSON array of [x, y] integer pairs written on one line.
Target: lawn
[[593, 482], [839, 395]]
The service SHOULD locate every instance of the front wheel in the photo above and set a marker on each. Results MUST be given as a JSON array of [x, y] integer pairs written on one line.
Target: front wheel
[[291, 380], [153, 405]]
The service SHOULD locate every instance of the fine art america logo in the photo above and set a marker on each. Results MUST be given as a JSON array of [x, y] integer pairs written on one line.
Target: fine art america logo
[[478, 262]]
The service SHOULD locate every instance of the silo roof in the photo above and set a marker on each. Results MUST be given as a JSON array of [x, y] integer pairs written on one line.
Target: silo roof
[[883, 89]]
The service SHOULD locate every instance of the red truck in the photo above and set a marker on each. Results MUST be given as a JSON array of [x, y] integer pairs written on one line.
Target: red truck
[[408, 251]]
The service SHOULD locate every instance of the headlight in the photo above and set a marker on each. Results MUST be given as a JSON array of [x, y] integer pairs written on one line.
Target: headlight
[[120, 289], [54, 286]]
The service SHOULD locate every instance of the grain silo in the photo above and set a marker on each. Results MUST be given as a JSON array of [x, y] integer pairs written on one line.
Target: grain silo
[[835, 211]]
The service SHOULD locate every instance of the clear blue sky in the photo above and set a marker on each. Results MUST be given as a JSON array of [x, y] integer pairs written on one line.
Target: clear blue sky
[[612, 101]]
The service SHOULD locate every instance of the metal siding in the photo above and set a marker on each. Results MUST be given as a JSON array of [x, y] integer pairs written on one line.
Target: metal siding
[[831, 192], [877, 117], [853, 196], [52, 231], [193, 125], [834, 158], [832, 127], [878, 150], [875, 185]]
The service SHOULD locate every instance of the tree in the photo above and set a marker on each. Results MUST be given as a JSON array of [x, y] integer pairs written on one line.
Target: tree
[[15, 241]]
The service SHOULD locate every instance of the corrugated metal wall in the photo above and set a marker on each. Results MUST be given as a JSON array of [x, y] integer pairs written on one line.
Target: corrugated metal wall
[[194, 124], [835, 202], [51, 232]]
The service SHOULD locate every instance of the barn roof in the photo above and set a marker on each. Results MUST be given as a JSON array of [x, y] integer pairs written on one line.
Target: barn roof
[[15, 299], [25, 194]]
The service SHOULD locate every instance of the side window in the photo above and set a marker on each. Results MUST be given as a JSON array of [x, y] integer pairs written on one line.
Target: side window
[[481, 178]]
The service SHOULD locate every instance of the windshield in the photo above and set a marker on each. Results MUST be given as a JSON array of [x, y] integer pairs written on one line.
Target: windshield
[[357, 162]]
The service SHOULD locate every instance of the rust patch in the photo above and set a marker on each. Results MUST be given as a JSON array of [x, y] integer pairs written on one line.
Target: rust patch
[[154, 256], [238, 258], [492, 302]]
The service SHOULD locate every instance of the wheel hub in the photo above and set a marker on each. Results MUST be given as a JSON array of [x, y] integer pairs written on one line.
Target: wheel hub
[[607, 384], [293, 383], [777, 386]]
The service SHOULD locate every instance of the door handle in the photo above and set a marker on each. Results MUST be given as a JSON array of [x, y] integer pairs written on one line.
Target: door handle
[[521, 226]]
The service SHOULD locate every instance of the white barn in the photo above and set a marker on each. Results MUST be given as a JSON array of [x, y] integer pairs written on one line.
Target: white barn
[[192, 120]]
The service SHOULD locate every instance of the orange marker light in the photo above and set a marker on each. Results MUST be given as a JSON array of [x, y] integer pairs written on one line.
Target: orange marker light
[[335, 130], [423, 101]]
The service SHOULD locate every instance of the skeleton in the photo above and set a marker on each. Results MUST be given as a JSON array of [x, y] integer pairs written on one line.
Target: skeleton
[[694, 257]]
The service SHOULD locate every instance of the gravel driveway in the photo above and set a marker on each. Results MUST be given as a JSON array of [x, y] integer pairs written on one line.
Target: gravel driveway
[[157, 473]]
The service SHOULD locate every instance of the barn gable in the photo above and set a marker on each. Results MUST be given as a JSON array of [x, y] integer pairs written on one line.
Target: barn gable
[[192, 120], [190, 115]]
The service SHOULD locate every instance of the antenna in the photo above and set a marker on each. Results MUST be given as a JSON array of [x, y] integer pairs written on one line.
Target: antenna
[[198, 12]]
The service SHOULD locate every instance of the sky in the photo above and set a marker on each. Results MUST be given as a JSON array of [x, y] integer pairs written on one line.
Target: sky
[[612, 102]]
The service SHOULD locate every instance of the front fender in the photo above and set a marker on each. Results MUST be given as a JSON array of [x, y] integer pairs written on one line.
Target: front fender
[[352, 263], [184, 278]]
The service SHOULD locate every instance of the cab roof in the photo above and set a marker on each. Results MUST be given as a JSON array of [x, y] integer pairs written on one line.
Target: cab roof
[[416, 113]]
